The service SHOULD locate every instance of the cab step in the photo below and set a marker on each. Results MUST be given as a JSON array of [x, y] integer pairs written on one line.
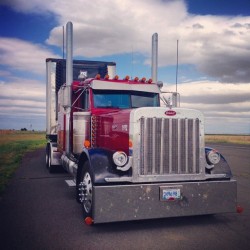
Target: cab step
[[71, 183]]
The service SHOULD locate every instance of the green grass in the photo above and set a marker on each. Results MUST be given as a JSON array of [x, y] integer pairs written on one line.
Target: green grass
[[12, 148], [235, 139]]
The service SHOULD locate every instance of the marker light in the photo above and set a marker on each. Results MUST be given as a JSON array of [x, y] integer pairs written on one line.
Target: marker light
[[89, 221], [98, 77], [126, 78], [116, 77], [149, 81], [213, 157], [143, 79], [130, 143], [120, 158], [239, 209], [86, 143], [136, 79], [106, 77]]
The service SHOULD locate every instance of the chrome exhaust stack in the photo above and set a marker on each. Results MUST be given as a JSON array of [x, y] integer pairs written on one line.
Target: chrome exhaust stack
[[154, 59], [69, 80]]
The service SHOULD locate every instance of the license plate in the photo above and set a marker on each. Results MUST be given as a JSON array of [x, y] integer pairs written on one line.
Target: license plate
[[170, 193]]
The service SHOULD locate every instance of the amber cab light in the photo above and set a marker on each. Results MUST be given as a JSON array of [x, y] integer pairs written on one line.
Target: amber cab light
[[86, 143], [116, 77], [149, 81], [98, 77], [126, 78], [106, 77], [136, 79]]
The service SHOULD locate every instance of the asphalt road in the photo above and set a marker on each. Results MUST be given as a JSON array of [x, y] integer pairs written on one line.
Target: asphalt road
[[38, 211]]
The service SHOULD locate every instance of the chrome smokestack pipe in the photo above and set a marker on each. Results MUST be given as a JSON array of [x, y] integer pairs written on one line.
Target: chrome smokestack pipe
[[69, 80], [154, 59], [69, 55]]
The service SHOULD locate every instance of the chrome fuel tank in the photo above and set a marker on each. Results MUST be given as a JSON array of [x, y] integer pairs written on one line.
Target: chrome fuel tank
[[81, 130]]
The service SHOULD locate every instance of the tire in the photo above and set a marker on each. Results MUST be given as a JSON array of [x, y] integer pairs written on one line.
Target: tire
[[85, 190], [47, 156], [49, 166]]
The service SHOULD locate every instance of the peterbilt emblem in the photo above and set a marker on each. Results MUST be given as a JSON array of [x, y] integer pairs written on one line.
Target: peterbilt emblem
[[170, 113]]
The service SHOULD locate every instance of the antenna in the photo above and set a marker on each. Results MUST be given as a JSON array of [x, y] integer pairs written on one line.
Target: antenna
[[177, 65], [132, 62], [63, 41]]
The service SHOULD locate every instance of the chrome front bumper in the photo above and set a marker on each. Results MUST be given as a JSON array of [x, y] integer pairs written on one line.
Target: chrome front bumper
[[144, 201]]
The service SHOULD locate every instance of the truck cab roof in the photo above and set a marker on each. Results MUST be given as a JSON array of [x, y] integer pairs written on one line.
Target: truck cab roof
[[124, 85]]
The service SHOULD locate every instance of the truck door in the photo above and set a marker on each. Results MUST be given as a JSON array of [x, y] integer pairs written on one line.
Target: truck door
[[81, 122]]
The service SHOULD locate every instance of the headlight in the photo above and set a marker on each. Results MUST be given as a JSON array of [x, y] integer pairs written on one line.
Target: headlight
[[120, 158], [213, 157]]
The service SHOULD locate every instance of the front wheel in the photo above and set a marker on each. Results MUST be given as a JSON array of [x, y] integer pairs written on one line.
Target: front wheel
[[86, 196]]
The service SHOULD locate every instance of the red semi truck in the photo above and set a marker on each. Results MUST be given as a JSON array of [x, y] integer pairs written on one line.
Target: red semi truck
[[130, 157]]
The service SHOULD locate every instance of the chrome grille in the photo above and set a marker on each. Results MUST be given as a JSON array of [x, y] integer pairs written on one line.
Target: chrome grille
[[169, 146]]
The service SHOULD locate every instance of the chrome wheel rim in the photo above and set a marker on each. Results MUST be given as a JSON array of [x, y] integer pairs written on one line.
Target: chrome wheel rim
[[87, 201]]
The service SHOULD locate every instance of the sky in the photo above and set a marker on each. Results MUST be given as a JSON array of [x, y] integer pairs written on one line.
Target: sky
[[213, 52]]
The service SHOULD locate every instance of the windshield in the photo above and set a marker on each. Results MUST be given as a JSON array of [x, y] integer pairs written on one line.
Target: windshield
[[124, 99]]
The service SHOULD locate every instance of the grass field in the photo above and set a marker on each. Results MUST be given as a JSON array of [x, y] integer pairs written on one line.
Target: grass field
[[13, 145], [235, 139]]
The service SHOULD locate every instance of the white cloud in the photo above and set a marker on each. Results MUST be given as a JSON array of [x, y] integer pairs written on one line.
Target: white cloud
[[113, 27], [217, 45], [18, 88], [214, 92], [19, 111], [226, 106], [20, 97], [21, 107], [23, 56]]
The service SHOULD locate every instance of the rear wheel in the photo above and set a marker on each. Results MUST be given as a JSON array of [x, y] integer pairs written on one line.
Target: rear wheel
[[85, 190], [50, 167], [47, 156]]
